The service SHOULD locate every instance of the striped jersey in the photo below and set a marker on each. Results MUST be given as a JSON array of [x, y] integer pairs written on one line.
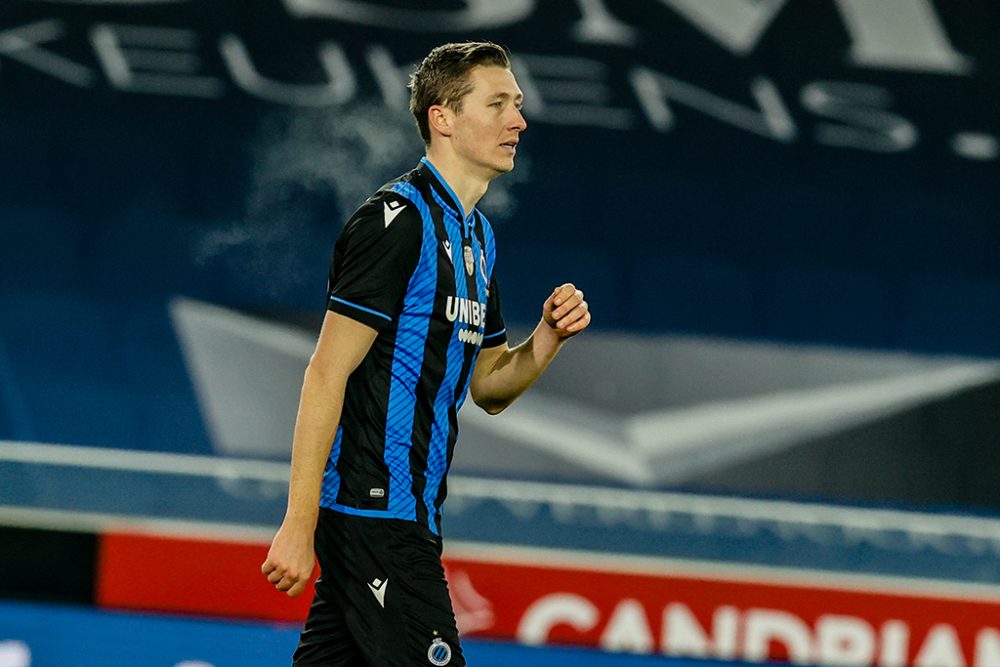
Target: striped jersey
[[409, 265]]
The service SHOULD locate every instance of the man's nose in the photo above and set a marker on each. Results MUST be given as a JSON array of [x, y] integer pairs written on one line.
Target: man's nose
[[518, 122]]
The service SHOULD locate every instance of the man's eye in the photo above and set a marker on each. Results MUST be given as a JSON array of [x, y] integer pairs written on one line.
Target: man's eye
[[497, 104]]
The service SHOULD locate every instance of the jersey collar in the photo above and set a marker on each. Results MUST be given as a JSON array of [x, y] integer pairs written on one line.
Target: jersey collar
[[438, 180]]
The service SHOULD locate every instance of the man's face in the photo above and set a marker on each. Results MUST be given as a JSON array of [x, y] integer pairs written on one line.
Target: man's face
[[486, 130]]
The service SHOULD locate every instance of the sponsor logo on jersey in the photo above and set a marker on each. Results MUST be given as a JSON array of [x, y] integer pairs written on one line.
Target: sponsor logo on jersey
[[470, 337], [465, 311]]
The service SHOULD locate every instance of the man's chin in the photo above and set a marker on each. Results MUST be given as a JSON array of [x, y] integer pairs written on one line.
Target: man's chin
[[499, 168], [505, 167]]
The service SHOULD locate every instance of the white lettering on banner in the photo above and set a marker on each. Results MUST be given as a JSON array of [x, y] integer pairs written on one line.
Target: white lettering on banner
[[552, 610], [570, 91], [476, 15], [339, 88], [773, 121], [735, 24], [941, 648], [888, 34], [895, 641], [560, 90], [390, 77], [764, 626], [988, 649], [598, 26], [757, 635], [21, 44], [844, 640], [14, 654], [155, 60], [900, 34], [868, 125], [628, 629], [684, 636]]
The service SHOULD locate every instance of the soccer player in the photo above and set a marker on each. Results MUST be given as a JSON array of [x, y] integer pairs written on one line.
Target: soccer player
[[413, 324]]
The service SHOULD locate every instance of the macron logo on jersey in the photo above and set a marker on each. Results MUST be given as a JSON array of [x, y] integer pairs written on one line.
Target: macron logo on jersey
[[391, 209]]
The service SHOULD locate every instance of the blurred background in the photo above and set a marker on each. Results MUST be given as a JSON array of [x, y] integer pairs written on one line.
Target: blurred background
[[778, 442]]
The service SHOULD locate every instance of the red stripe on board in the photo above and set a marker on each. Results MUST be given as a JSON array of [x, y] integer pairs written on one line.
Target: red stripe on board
[[669, 612], [684, 614], [156, 573]]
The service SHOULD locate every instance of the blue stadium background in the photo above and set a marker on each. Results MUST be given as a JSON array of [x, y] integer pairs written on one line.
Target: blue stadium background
[[114, 200]]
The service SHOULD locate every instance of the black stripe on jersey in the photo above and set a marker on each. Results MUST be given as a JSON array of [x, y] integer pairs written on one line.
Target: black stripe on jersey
[[471, 352], [434, 367]]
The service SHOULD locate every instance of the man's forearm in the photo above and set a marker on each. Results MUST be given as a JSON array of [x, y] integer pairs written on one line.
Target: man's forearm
[[518, 368], [320, 405]]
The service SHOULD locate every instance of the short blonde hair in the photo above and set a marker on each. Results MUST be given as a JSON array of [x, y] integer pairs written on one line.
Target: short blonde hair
[[443, 77]]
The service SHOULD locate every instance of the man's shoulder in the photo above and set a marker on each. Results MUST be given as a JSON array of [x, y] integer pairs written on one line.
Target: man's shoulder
[[390, 206]]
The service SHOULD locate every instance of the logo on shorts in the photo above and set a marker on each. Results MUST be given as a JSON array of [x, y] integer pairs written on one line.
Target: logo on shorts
[[378, 587], [439, 653]]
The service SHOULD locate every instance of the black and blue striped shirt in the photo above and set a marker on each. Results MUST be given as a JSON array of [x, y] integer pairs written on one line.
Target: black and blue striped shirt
[[410, 266]]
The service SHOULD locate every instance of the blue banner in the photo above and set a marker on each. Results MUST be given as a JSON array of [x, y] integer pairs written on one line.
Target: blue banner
[[807, 171], [36, 635]]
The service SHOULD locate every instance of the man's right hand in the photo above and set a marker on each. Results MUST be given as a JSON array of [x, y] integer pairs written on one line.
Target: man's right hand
[[290, 560]]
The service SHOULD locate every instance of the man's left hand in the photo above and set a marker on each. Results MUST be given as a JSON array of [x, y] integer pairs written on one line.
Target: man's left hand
[[565, 311]]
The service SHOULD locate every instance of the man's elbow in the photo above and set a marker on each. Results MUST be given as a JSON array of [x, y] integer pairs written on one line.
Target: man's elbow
[[490, 406], [321, 373]]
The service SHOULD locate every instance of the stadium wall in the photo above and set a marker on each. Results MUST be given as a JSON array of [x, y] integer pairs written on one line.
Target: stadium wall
[[539, 597]]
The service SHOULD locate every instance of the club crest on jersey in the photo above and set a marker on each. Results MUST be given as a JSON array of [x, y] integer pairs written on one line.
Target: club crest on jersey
[[439, 653], [470, 260]]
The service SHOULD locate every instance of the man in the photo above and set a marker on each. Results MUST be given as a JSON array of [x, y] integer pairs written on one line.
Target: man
[[413, 324]]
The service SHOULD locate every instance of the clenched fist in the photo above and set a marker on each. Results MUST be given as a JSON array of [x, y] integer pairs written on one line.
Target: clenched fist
[[566, 311]]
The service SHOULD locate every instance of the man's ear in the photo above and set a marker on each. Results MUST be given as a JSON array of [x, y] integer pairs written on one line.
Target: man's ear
[[439, 117]]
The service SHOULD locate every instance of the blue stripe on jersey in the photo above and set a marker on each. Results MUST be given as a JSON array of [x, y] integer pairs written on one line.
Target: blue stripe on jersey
[[494, 335], [354, 305], [407, 361], [331, 476], [437, 449], [491, 245]]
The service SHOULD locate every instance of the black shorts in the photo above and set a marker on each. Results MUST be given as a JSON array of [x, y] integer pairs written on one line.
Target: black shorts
[[381, 600]]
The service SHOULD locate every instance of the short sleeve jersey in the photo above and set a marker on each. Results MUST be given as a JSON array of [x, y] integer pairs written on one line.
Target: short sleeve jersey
[[412, 267]]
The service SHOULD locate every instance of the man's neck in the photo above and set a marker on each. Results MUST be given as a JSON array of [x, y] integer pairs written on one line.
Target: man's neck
[[467, 186]]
